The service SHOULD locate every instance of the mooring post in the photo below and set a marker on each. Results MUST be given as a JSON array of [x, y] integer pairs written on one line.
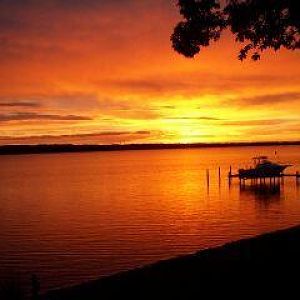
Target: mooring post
[[207, 177], [297, 177], [229, 176], [219, 175]]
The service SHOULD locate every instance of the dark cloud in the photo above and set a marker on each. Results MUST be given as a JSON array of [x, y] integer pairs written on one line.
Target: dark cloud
[[106, 137], [270, 99], [143, 132], [268, 122], [199, 83], [19, 104], [79, 102], [158, 85], [268, 132], [135, 114], [110, 133], [85, 101], [10, 23], [27, 116], [168, 106], [84, 135], [89, 4], [69, 4], [203, 118], [128, 109], [151, 85], [82, 101], [42, 16], [47, 28]]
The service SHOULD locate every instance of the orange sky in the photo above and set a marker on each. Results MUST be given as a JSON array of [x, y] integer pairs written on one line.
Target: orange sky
[[104, 72]]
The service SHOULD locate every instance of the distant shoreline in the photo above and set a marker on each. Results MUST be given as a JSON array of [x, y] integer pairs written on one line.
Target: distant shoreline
[[72, 148]]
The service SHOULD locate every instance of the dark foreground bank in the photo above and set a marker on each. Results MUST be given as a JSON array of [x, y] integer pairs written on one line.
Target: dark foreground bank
[[264, 266]]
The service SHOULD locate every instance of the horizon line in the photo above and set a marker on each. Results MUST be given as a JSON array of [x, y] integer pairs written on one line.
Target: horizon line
[[65, 148]]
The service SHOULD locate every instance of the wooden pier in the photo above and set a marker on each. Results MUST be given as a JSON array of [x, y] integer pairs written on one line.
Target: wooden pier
[[260, 179], [255, 180]]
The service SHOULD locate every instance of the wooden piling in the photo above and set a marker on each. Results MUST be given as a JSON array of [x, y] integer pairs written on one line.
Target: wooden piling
[[207, 177]]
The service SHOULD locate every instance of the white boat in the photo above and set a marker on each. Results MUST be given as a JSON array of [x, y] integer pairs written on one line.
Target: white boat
[[263, 167]]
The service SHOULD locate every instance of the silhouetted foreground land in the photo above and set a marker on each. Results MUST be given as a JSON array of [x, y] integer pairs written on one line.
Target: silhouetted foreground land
[[57, 148], [263, 266]]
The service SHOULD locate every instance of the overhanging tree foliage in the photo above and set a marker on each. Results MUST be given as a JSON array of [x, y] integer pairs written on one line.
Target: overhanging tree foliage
[[257, 24]]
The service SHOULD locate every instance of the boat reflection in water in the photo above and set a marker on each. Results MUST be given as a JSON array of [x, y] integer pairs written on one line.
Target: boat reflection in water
[[263, 192]]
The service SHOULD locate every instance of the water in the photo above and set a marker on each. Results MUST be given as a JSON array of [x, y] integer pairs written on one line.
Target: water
[[74, 217]]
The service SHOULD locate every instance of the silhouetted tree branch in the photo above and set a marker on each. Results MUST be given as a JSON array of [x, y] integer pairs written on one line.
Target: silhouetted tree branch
[[257, 24]]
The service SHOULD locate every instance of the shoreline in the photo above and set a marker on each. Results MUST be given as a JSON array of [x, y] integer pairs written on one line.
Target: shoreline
[[73, 148], [265, 264]]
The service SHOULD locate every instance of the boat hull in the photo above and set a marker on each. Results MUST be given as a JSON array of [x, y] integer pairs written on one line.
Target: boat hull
[[264, 171]]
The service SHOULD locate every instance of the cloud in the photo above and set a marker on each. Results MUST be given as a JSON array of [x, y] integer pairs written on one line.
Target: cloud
[[27, 116], [19, 104], [151, 84], [203, 118], [128, 109], [268, 122], [76, 100], [135, 114], [68, 101], [64, 27], [68, 4], [84, 135], [88, 103], [111, 61], [270, 99], [272, 133], [157, 85], [199, 83], [167, 106], [103, 137], [109, 133]]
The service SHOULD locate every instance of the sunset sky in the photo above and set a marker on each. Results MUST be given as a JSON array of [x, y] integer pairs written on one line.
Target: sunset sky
[[103, 71]]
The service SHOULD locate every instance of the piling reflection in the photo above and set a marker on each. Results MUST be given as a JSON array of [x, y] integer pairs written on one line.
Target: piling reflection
[[264, 193]]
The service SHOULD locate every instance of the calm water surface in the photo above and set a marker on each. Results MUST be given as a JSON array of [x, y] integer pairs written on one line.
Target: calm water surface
[[74, 217]]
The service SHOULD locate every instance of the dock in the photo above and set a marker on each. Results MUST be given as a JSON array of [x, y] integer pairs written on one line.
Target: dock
[[262, 178], [254, 180]]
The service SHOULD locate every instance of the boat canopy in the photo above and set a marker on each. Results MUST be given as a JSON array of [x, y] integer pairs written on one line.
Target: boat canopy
[[260, 157]]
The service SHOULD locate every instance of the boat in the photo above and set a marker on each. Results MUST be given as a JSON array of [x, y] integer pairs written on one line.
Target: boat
[[263, 167]]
